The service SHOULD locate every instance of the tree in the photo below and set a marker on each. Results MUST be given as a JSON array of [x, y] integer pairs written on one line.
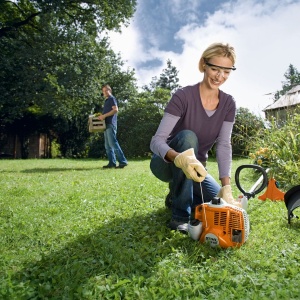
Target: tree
[[163, 88], [168, 79], [292, 77], [246, 127], [139, 123], [53, 58], [51, 55], [90, 16]]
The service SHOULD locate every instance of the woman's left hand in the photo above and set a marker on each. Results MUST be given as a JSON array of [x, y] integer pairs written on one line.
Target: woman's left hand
[[226, 194]]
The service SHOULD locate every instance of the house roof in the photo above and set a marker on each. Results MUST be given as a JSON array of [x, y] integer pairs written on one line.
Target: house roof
[[291, 98]]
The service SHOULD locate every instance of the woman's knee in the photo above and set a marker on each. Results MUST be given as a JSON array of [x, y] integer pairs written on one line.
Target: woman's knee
[[184, 140], [161, 169]]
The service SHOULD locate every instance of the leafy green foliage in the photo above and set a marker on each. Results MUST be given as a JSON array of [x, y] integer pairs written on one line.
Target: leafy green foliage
[[279, 149], [95, 146], [246, 126], [57, 62], [71, 230], [138, 123], [89, 16], [52, 59]]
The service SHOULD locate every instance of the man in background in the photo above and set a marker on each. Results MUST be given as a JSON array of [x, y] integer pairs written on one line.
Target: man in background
[[109, 114]]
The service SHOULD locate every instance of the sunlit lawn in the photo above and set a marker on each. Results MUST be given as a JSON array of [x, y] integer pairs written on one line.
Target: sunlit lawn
[[71, 230]]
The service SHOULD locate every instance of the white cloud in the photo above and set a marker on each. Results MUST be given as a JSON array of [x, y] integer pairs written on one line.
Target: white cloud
[[265, 35], [128, 45]]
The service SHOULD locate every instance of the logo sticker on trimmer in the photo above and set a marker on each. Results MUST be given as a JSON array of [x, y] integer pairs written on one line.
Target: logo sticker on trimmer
[[212, 240]]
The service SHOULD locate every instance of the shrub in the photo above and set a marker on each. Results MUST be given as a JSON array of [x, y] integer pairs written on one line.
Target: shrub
[[279, 149], [246, 126]]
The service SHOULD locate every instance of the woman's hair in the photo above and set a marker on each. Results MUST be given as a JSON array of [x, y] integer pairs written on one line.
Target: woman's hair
[[216, 49]]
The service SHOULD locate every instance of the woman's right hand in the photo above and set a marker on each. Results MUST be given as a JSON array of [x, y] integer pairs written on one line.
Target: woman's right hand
[[190, 165]]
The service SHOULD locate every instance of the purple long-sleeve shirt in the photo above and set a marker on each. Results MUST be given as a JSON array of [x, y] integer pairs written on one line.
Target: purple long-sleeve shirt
[[185, 111]]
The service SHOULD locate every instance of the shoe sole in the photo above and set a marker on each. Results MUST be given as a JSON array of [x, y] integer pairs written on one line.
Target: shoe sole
[[182, 228], [121, 167]]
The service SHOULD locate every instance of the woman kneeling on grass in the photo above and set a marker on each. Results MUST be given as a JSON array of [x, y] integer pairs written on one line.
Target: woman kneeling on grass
[[197, 117]]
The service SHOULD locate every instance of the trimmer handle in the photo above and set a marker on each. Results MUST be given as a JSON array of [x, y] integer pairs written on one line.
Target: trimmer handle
[[261, 183]]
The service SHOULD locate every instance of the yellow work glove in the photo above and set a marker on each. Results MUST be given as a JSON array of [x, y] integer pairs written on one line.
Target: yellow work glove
[[190, 165], [226, 194]]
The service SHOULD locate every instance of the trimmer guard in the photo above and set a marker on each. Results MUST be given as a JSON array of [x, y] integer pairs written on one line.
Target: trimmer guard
[[292, 201]]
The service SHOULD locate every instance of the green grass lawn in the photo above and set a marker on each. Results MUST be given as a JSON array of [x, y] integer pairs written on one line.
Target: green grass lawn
[[71, 230]]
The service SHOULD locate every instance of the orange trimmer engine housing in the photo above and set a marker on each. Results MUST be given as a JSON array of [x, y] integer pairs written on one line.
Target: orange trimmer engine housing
[[223, 224]]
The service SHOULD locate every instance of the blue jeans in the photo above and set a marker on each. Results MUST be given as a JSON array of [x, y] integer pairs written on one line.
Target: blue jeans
[[185, 193], [112, 146]]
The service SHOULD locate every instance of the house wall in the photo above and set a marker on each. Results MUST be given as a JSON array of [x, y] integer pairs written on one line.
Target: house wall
[[38, 146], [10, 146], [282, 114]]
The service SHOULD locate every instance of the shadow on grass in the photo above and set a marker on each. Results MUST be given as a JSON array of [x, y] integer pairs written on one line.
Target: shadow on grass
[[48, 170], [295, 221], [115, 251]]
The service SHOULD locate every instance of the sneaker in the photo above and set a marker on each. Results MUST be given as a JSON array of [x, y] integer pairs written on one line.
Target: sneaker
[[180, 226], [109, 167], [121, 166]]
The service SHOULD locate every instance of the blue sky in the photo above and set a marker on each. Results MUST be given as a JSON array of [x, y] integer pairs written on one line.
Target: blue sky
[[265, 35]]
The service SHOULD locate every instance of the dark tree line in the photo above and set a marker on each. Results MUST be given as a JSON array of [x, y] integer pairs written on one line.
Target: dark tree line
[[54, 57]]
